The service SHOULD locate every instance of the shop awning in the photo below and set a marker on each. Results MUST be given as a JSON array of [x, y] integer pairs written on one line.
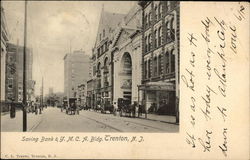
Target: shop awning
[[157, 86]]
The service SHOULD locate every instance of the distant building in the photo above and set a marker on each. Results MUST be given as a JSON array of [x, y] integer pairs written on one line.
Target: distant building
[[101, 58], [90, 94], [76, 67], [81, 94], [50, 91], [160, 55], [4, 40]]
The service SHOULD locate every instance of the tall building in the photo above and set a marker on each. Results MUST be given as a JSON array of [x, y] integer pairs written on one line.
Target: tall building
[[126, 56], [160, 55], [4, 40], [76, 67], [101, 58]]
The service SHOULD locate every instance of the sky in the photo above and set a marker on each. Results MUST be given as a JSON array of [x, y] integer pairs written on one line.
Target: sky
[[51, 27]]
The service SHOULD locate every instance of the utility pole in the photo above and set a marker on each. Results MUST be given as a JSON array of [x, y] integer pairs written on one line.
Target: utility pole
[[24, 71], [42, 92]]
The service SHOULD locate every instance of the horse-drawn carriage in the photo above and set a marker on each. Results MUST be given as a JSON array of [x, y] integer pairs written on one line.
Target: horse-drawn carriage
[[107, 106], [124, 107], [70, 106]]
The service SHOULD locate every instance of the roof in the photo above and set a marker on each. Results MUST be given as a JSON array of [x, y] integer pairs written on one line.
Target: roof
[[109, 22]]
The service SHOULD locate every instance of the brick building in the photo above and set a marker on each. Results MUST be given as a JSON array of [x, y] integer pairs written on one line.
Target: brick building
[[160, 59]]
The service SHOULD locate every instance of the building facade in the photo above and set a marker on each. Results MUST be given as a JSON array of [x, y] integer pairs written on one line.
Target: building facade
[[14, 74], [126, 57], [160, 56], [102, 59], [76, 67], [4, 40], [81, 94]]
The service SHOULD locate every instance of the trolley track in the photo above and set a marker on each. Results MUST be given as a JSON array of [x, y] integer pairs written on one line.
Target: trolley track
[[124, 119]]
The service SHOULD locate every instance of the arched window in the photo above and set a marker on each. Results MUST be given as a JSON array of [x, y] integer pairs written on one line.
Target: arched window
[[159, 65], [127, 63]]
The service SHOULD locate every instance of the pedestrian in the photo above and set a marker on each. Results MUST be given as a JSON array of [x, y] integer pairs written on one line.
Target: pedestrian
[[134, 108]]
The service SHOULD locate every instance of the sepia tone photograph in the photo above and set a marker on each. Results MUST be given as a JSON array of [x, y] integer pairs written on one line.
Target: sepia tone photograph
[[90, 66]]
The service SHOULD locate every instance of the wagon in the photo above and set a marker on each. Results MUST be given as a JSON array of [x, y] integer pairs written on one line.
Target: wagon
[[72, 107], [124, 107]]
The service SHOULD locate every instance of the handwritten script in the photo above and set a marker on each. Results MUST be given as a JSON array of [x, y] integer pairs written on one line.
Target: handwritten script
[[210, 49]]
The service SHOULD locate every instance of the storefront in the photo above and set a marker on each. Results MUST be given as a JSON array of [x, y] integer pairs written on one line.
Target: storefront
[[158, 97]]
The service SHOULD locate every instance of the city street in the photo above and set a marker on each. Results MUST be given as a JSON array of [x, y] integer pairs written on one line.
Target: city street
[[53, 120]]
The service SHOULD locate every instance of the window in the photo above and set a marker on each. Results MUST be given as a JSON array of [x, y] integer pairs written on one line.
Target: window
[[155, 66], [156, 13], [103, 33], [160, 10], [159, 36], [168, 35], [146, 21], [156, 38], [159, 65], [98, 51], [172, 30], [146, 44], [106, 46], [167, 62], [149, 18], [172, 61], [149, 42], [145, 70], [94, 70], [149, 68]]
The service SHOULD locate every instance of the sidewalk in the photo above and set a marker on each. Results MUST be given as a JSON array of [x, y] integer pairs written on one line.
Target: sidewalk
[[155, 117], [16, 124], [161, 118]]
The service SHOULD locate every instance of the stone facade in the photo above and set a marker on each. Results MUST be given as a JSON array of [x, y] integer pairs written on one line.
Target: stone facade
[[102, 59], [126, 52]]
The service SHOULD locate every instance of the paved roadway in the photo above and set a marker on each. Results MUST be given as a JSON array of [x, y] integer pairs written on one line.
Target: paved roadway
[[53, 120]]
